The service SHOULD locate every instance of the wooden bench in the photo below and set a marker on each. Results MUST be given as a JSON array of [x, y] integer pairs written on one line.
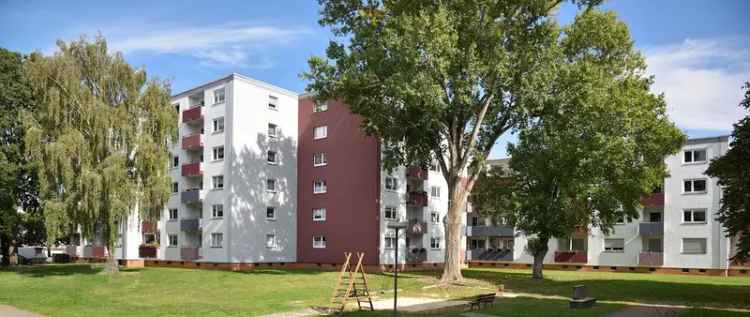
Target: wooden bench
[[482, 299]]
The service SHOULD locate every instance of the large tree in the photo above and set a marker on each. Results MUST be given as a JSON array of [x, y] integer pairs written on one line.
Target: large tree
[[595, 150], [733, 171], [19, 212], [99, 135]]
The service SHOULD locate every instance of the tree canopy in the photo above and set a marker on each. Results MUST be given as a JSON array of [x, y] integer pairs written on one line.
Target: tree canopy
[[733, 171], [99, 135]]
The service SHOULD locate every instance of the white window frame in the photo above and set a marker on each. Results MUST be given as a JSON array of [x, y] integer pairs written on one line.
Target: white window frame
[[217, 240], [271, 237], [175, 188], [273, 102], [217, 125], [273, 213], [275, 155], [176, 214], [435, 192], [320, 187], [435, 243], [391, 183], [705, 246], [319, 242], [320, 159], [692, 156], [390, 241], [217, 182], [692, 185], [270, 181], [217, 211], [220, 92], [692, 212], [614, 249], [175, 243], [322, 135], [319, 214], [217, 153], [434, 216], [393, 211], [273, 130], [320, 106]]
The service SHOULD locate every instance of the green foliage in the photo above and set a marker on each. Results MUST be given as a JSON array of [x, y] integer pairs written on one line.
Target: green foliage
[[598, 145], [733, 171], [100, 138]]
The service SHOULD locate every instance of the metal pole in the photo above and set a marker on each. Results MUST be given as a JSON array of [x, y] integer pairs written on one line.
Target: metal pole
[[395, 280]]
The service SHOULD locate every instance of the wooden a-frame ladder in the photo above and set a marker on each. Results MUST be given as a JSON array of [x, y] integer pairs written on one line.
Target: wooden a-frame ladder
[[352, 283]]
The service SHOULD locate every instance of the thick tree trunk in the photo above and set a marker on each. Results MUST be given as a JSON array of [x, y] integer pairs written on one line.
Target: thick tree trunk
[[453, 234], [110, 266], [539, 255]]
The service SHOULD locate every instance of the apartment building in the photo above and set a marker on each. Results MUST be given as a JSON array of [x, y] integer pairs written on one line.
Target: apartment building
[[676, 228]]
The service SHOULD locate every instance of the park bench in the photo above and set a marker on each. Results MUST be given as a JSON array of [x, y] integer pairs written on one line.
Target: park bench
[[580, 298], [482, 299]]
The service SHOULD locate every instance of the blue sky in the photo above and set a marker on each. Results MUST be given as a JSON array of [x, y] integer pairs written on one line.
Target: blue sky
[[699, 51]]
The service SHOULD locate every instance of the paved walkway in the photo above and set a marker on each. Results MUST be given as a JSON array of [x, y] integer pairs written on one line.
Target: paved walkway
[[10, 311]]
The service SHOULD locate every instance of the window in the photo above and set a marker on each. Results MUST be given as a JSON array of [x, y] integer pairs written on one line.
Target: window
[[319, 214], [271, 241], [218, 182], [219, 95], [273, 102], [217, 239], [175, 188], [175, 161], [320, 132], [271, 157], [176, 107], [320, 159], [390, 239], [435, 242], [273, 130], [271, 185], [391, 183], [217, 211], [694, 156], [476, 244], [319, 242], [172, 240], [694, 216], [391, 213], [320, 106], [435, 192], [218, 153], [218, 125], [694, 186], [614, 245], [694, 245], [270, 213], [474, 221], [435, 216], [654, 245], [172, 214], [319, 187], [654, 217]]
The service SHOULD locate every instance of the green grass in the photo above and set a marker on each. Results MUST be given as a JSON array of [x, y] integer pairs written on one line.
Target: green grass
[[79, 290]]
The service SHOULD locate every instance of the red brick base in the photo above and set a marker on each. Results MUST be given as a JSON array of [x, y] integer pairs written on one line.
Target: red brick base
[[733, 271]]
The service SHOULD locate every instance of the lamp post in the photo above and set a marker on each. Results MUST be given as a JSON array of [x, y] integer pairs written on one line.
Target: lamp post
[[396, 226]]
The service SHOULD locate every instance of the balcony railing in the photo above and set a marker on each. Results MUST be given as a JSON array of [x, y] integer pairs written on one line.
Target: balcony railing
[[192, 169], [415, 172], [571, 256], [190, 253], [190, 224], [192, 196], [192, 142], [416, 227], [417, 199], [489, 231], [651, 229], [146, 251], [653, 201], [193, 115], [489, 255], [93, 252], [651, 258], [148, 227]]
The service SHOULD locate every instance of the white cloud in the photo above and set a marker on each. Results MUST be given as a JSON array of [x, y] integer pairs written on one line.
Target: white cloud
[[233, 45], [701, 80]]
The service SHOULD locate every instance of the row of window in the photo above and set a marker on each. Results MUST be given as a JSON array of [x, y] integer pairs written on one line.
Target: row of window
[[217, 211], [217, 240], [392, 184], [689, 245], [220, 97]]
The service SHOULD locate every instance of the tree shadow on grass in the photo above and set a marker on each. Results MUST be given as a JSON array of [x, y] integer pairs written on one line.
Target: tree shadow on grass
[[46, 270]]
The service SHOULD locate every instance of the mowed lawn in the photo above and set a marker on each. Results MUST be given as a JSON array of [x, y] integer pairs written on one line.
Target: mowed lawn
[[79, 290]]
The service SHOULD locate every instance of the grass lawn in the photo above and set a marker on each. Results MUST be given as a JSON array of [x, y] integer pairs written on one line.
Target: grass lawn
[[78, 290]]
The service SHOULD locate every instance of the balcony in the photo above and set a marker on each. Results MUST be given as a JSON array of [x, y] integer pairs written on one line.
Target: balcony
[[651, 229], [192, 169], [653, 201], [571, 257], [416, 227], [489, 231], [192, 196], [416, 255], [190, 224], [193, 115], [190, 253], [651, 258], [93, 251], [415, 172], [148, 227], [489, 255], [417, 199], [146, 251], [192, 142]]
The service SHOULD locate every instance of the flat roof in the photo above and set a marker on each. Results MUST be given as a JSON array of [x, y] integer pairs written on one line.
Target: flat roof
[[233, 76], [720, 138]]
